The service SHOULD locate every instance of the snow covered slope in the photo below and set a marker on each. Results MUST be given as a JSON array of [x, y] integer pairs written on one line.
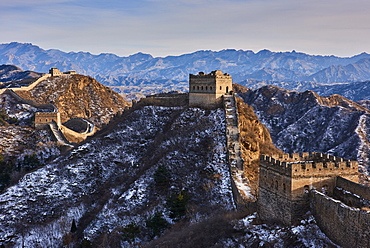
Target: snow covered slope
[[108, 183]]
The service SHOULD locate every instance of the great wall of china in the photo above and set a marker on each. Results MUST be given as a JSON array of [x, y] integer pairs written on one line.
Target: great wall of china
[[289, 184], [50, 118]]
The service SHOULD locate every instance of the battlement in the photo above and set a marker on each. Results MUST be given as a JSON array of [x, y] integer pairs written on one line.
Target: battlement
[[308, 156], [213, 74], [309, 164]]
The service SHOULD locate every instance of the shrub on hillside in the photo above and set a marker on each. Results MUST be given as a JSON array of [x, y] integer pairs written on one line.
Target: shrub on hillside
[[156, 224], [162, 176], [177, 205]]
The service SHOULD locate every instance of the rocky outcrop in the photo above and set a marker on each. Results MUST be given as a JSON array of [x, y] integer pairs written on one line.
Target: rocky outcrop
[[254, 140], [78, 96]]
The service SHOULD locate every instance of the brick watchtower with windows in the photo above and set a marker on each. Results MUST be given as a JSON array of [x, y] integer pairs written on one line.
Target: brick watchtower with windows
[[207, 89], [285, 181]]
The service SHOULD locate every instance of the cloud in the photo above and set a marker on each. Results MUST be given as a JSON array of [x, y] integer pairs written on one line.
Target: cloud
[[163, 27]]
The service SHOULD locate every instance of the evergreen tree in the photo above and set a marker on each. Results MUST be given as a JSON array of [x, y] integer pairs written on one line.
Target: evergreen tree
[[73, 227], [86, 243], [30, 162], [177, 205], [162, 176], [130, 232], [156, 224]]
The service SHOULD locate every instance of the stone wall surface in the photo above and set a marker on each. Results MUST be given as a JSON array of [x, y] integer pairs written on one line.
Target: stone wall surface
[[167, 101], [346, 226], [355, 188], [273, 207], [203, 100], [75, 137]]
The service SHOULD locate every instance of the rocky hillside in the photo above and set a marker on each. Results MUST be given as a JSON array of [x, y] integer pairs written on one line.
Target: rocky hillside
[[304, 121], [78, 96], [74, 95], [255, 140], [154, 172], [147, 168]]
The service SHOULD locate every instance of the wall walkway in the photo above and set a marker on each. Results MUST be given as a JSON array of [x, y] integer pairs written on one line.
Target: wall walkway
[[51, 107], [58, 135], [29, 87], [346, 226], [241, 191]]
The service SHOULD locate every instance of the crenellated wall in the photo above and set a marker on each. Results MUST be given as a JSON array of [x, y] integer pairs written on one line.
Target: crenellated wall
[[310, 165], [285, 181]]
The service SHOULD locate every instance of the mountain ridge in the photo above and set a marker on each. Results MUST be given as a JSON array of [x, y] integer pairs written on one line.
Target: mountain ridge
[[239, 63], [305, 121]]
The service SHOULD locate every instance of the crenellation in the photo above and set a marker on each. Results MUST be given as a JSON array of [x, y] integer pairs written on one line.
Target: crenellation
[[290, 177]]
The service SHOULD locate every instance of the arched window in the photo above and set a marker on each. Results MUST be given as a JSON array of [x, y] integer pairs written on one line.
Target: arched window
[[220, 87], [197, 87], [276, 185], [227, 89], [306, 189], [284, 188], [193, 87], [202, 87], [206, 87], [210, 87]]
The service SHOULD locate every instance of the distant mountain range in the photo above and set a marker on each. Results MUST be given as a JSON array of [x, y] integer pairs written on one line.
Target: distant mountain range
[[143, 70]]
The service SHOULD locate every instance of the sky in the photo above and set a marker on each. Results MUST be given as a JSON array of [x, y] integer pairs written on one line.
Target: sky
[[174, 27]]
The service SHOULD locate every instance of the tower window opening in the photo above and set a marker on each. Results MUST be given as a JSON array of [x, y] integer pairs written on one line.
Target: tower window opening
[[306, 189]]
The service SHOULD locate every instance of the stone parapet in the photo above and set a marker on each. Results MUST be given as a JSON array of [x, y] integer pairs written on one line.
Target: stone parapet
[[345, 225], [308, 165]]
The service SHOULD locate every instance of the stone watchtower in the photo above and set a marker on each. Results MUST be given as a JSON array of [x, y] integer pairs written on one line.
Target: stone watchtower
[[55, 72], [285, 181], [207, 89]]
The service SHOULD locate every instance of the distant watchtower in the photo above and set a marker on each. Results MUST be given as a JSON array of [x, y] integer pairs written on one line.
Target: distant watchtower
[[207, 89], [55, 72], [285, 181]]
